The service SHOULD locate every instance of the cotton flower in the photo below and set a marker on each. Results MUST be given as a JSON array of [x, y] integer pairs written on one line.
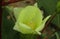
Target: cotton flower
[[30, 21]]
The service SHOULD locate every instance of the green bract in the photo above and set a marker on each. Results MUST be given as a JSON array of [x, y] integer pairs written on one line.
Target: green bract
[[30, 20]]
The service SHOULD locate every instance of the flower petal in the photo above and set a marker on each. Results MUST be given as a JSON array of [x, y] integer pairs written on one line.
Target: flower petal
[[27, 14], [17, 11], [23, 28], [42, 25], [30, 13], [38, 18], [36, 5]]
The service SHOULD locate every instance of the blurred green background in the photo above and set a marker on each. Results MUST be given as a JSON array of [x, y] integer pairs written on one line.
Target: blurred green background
[[48, 6]]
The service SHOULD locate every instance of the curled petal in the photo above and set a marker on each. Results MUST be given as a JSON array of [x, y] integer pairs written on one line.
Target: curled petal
[[42, 25]]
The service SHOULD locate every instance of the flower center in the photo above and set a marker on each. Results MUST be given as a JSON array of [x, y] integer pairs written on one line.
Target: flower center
[[31, 24]]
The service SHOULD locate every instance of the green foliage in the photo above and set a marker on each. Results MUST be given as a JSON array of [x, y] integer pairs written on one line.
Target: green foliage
[[7, 26], [50, 7]]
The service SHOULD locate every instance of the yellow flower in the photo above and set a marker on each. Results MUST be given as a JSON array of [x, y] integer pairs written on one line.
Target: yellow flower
[[30, 20]]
